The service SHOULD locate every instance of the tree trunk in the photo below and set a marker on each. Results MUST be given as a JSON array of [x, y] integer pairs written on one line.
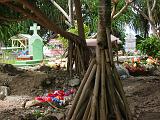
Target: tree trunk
[[150, 15], [71, 16], [81, 55], [106, 99]]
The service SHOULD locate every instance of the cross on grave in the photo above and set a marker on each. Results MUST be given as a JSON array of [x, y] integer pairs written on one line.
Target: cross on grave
[[35, 28]]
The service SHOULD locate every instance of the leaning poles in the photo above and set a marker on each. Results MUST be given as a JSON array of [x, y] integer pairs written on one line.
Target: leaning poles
[[100, 95]]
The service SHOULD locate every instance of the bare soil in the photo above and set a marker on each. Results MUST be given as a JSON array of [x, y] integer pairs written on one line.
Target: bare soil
[[143, 93]]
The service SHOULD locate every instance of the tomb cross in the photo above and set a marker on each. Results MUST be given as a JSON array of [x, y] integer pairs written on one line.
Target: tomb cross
[[35, 28]]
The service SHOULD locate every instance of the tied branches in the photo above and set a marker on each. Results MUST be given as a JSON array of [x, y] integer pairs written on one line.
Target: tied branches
[[100, 95]]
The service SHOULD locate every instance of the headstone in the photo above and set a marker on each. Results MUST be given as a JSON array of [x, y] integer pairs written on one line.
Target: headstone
[[34, 37], [130, 43], [37, 47]]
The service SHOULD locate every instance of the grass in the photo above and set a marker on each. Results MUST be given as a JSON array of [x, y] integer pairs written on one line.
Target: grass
[[8, 61], [7, 58]]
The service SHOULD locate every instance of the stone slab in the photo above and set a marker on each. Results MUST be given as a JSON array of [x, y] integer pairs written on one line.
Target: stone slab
[[28, 62]]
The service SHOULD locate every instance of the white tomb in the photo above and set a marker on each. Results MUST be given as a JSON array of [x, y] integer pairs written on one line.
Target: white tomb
[[130, 43]]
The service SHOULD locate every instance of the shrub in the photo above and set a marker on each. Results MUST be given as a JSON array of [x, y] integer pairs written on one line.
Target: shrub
[[150, 46]]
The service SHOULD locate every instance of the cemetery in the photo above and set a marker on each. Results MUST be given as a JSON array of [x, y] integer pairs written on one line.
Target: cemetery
[[63, 61]]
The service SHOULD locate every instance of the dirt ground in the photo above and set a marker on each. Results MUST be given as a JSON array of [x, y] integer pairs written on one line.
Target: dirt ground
[[143, 93]]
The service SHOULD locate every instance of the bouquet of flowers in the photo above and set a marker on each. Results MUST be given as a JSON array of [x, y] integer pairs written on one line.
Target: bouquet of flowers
[[135, 68]]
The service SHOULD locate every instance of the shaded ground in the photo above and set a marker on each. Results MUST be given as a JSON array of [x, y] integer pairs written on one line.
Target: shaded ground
[[143, 94], [25, 86]]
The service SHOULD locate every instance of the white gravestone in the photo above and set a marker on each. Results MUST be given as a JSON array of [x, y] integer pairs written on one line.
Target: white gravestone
[[34, 37], [130, 43]]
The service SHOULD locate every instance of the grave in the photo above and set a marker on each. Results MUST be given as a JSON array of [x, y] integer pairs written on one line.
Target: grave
[[130, 48], [130, 43], [35, 47]]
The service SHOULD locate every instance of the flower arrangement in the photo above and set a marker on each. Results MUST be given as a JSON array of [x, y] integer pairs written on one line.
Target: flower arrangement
[[151, 64], [150, 60], [137, 67]]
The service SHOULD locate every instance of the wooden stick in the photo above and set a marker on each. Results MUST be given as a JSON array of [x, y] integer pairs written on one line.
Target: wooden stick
[[70, 55], [81, 88], [119, 88], [80, 59], [96, 86], [81, 111], [103, 103], [77, 64], [85, 116], [98, 111], [90, 78], [110, 54], [121, 105], [95, 93], [112, 92], [89, 115]]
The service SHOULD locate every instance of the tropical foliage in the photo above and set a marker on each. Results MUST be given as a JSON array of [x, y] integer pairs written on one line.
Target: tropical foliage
[[10, 29], [150, 46], [16, 23], [146, 16]]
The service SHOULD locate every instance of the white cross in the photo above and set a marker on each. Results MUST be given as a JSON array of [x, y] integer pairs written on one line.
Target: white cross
[[35, 28]]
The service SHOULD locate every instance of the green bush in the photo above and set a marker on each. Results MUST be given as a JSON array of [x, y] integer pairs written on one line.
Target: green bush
[[150, 46]]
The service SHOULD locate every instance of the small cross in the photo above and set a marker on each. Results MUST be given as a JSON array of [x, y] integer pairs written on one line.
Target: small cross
[[35, 28]]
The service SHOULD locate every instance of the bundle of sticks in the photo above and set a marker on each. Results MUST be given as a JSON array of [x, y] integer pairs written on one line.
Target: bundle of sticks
[[100, 95]]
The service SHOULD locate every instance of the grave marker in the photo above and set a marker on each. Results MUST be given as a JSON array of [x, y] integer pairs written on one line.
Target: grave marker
[[130, 43], [35, 28], [35, 36], [37, 46]]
